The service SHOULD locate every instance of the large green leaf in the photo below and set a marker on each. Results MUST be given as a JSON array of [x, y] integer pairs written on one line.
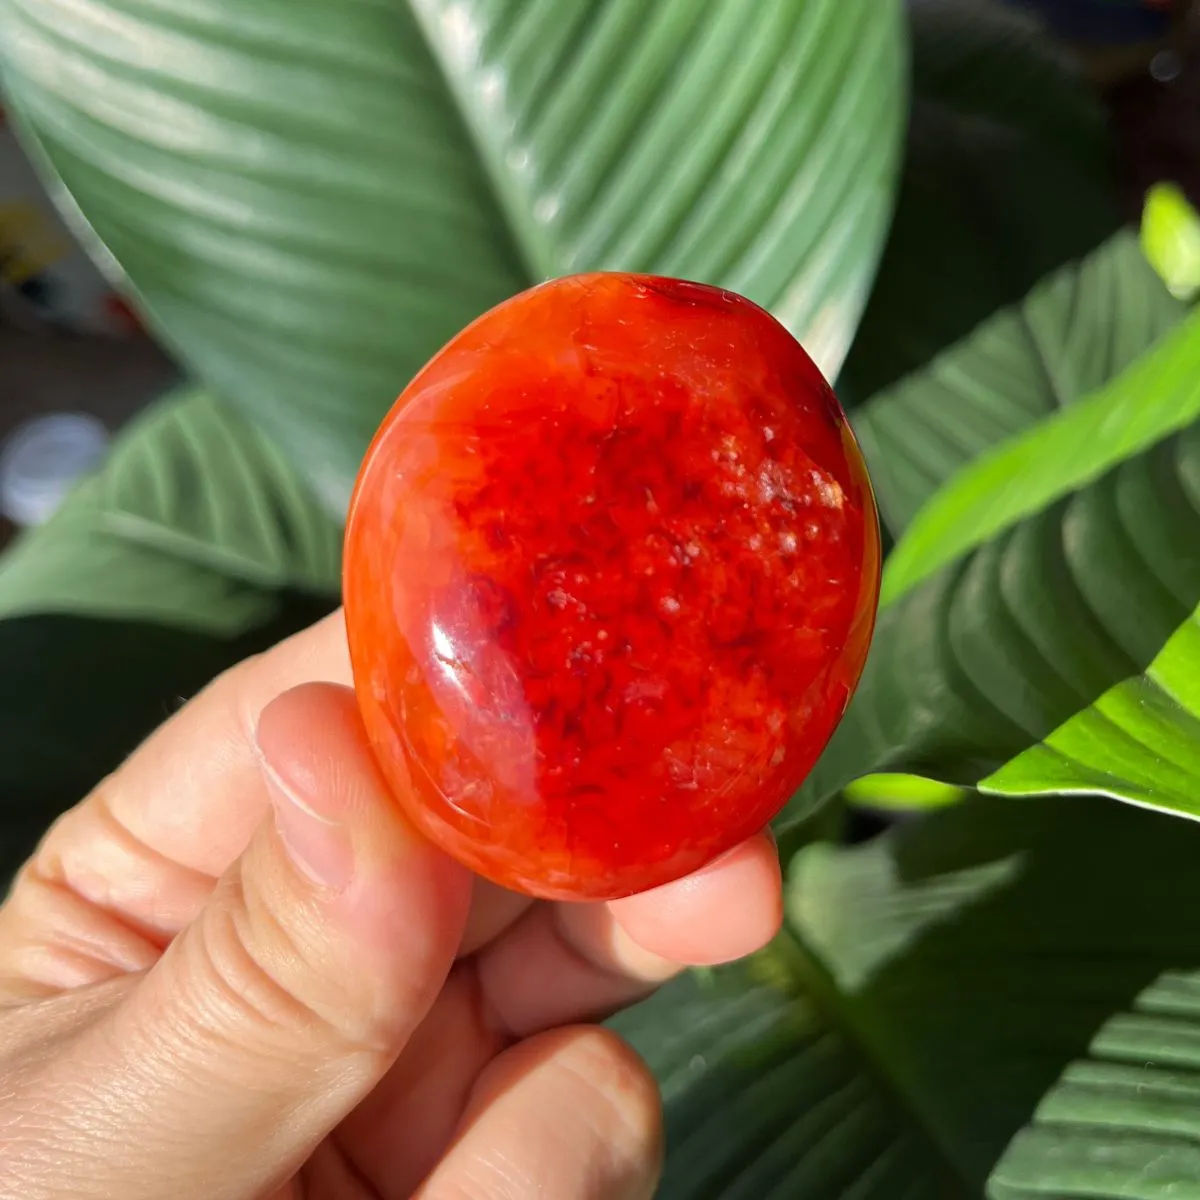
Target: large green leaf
[[196, 521], [999, 1000], [1007, 177], [310, 198], [1068, 337], [194, 546], [1041, 633], [766, 1099]]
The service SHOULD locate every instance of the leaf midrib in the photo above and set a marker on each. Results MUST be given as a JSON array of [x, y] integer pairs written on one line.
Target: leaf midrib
[[194, 551]]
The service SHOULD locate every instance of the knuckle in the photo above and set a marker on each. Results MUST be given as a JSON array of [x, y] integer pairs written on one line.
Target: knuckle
[[615, 1069], [268, 971], [626, 1102], [243, 961], [572, 1111]]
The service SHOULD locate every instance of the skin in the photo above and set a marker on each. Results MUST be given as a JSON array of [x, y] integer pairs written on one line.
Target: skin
[[234, 970]]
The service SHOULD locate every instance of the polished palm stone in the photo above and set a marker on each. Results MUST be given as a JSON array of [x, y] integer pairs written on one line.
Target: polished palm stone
[[612, 566]]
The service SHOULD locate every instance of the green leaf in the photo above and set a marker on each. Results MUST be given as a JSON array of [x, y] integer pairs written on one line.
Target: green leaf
[[1171, 239], [1007, 177], [311, 198], [901, 793], [1071, 335], [764, 1097], [193, 547], [983, 1002], [1060, 653], [195, 521], [1159, 394]]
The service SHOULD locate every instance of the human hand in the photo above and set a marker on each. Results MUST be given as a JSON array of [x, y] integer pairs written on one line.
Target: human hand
[[190, 1008]]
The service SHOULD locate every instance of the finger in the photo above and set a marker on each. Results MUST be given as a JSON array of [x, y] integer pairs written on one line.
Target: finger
[[283, 1004], [722, 912], [493, 910], [396, 1136], [567, 963], [571, 1113], [122, 873], [559, 964]]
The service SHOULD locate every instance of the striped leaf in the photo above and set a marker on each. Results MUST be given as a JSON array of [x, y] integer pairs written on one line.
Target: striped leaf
[[986, 1002], [1040, 633], [765, 1097], [1070, 336], [311, 198], [195, 521]]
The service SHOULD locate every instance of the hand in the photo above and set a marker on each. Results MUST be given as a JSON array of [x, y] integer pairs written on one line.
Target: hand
[[235, 970]]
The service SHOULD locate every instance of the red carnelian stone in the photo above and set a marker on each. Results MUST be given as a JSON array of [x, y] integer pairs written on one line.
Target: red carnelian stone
[[612, 566]]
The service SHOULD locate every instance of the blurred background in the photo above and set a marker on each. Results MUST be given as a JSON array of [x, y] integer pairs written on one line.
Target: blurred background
[[75, 363]]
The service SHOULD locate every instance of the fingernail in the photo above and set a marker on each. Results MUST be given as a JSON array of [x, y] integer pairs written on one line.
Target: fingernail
[[734, 851], [721, 859], [318, 846]]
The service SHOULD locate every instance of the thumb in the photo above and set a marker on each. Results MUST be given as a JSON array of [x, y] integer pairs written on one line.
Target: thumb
[[272, 1015]]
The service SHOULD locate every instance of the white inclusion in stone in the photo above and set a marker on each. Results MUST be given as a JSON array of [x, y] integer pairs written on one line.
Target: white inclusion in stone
[[829, 492]]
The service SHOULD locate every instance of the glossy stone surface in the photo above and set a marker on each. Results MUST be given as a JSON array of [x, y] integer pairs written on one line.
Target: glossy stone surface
[[612, 566]]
